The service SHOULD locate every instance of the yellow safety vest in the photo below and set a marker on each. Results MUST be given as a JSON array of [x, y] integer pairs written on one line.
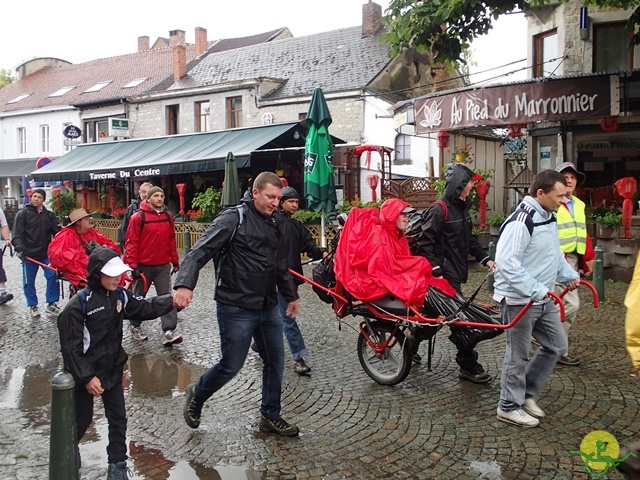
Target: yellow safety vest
[[572, 231]]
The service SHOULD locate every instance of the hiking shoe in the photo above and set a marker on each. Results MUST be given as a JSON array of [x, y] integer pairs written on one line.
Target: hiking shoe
[[53, 307], [569, 361], [33, 312], [482, 377], [416, 358], [5, 297], [279, 426], [531, 407], [517, 417], [192, 408], [171, 339], [301, 368], [117, 471], [138, 334]]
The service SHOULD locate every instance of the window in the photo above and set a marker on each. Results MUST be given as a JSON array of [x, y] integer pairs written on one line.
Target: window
[[172, 119], [65, 142], [22, 141], [202, 116], [234, 112], [302, 116], [611, 47], [403, 150], [19, 97], [545, 54], [62, 91], [97, 86], [44, 138], [96, 130], [135, 83]]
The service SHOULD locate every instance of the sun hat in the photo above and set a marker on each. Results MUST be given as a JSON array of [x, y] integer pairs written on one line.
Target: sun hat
[[115, 267], [77, 214]]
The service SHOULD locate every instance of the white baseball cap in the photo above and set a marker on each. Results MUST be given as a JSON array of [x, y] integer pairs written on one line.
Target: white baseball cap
[[115, 267]]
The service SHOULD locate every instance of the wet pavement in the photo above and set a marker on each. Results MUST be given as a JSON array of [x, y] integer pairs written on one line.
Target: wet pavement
[[431, 426]]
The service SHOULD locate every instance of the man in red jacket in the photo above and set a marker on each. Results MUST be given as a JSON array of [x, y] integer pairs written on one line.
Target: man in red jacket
[[150, 249], [69, 250]]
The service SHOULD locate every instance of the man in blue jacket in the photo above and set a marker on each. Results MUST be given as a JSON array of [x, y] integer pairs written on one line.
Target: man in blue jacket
[[529, 262]]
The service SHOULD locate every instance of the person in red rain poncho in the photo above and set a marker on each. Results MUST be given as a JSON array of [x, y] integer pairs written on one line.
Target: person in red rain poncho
[[69, 250], [373, 258]]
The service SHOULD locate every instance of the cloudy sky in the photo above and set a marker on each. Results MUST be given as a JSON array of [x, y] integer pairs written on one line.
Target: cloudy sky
[[82, 31]]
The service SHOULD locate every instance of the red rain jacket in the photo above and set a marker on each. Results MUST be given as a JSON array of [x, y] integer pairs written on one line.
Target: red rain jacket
[[373, 258], [151, 243]]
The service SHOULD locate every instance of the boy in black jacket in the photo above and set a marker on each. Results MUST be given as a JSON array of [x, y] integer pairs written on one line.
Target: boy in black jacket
[[90, 329]]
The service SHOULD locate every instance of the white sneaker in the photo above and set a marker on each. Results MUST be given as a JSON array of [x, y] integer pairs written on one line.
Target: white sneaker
[[171, 339], [53, 308], [138, 334], [517, 417], [531, 407]]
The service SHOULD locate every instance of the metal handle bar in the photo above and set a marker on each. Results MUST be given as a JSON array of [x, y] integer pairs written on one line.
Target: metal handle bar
[[596, 300]]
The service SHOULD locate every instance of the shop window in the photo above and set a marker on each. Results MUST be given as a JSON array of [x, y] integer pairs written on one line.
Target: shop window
[[44, 138], [202, 116], [403, 150], [234, 112], [96, 130], [545, 54], [22, 141], [611, 47], [172, 119]]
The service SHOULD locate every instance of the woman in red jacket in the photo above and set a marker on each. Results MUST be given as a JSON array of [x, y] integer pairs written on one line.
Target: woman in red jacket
[[69, 250]]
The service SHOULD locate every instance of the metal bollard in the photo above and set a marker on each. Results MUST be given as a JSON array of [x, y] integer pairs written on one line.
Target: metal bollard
[[492, 254], [63, 438], [187, 240], [598, 273]]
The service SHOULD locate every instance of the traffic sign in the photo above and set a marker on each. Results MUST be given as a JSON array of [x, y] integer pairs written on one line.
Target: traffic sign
[[42, 162]]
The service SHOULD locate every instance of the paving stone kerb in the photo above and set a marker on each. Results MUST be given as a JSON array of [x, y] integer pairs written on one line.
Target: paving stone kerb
[[432, 425]]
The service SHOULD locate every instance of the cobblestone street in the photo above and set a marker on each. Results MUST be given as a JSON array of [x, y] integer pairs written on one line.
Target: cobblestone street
[[431, 426]]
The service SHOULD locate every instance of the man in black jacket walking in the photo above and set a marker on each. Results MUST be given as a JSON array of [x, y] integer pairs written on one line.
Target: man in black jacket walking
[[249, 274], [295, 240], [446, 241], [33, 229]]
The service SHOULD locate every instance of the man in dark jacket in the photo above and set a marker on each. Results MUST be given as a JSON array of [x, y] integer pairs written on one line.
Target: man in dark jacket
[[133, 207], [90, 329], [151, 250], [249, 273], [33, 229], [295, 240], [446, 241]]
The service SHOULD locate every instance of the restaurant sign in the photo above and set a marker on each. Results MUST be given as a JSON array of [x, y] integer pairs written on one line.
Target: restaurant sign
[[550, 100]]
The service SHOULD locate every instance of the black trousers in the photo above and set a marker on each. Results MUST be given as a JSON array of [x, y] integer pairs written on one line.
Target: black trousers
[[114, 409]]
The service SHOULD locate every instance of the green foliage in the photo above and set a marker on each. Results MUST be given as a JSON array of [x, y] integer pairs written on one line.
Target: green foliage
[[208, 201], [67, 203], [496, 220], [307, 216], [477, 231], [446, 28], [5, 77], [347, 205], [609, 219]]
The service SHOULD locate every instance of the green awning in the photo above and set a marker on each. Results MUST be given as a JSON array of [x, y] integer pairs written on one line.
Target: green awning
[[199, 152], [17, 168]]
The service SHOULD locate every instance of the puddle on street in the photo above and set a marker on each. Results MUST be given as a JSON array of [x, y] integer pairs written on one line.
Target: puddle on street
[[158, 376], [486, 470]]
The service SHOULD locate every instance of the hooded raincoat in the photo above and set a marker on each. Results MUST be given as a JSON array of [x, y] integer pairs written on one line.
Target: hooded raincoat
[[373, 258]]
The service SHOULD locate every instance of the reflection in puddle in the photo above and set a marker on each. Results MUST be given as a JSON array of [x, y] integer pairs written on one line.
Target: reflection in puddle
[[487, 470], [158, 376]]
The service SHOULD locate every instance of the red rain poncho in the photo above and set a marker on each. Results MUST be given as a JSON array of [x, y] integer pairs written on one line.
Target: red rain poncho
[[373, 258]]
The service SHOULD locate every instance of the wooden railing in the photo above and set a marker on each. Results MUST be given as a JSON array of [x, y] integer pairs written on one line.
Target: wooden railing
[[110, 228], [417, 192]]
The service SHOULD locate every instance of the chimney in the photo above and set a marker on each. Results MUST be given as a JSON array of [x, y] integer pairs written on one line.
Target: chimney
[[176, 37], [143, 43], [201, 40], [179, 62], [371, 18]]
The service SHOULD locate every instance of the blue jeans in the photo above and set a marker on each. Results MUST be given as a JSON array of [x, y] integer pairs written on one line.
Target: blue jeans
[[237, 327], [292, 332], [29, 271], [523, 378]]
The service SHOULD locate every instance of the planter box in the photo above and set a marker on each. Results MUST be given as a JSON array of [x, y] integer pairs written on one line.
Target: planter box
[[494, 231], [591, 229], [606, 232]]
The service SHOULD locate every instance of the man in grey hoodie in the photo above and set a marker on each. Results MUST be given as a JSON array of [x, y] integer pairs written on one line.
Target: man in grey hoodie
[[529, 262]]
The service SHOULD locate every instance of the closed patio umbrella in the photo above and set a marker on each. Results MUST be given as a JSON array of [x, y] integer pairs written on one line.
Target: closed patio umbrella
[[230, 187]]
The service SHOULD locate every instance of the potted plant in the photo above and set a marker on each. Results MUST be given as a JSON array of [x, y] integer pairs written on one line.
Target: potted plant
[[67, 203], [307, 216], [483, 236], [495, 223], [209, 202], [607, 224], [462, 153]]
